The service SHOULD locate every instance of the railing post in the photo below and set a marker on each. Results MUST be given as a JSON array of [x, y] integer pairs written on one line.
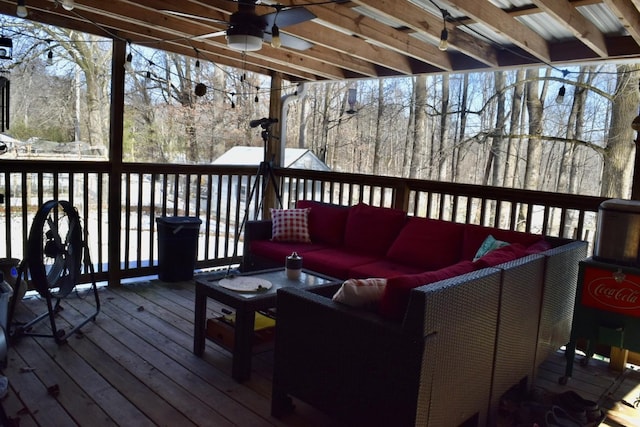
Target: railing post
[[401, 199], [274, 149], [115, 158]]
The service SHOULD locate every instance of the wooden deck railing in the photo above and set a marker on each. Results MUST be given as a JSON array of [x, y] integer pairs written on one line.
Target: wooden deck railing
[[217, 195]]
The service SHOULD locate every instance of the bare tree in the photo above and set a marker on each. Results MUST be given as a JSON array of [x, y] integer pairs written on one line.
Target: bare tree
[[618, 158]]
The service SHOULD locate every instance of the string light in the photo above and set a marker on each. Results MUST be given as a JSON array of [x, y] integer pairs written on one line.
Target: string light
[[563, 90], [127, 62], [256, 98], [444, 37], [68, 4], [276, 42], [49, 53], [21, 10]]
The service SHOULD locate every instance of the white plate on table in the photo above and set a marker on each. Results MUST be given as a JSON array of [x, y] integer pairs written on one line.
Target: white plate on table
[[245, 284]]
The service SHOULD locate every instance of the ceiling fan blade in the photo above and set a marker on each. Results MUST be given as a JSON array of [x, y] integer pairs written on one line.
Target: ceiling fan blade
[[290, 41], [210, 35], [288, 17], [190, 16]]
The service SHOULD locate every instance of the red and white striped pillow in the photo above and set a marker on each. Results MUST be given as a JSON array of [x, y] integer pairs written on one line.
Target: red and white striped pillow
[[290, 225]]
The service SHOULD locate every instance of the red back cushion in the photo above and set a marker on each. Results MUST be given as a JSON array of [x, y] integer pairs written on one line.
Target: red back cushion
[[326, 221], [501, 255], [371, 230], [474, 235], [427, 243], [396, 294]]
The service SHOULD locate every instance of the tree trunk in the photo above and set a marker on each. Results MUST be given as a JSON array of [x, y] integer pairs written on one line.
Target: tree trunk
[[513, 143], [620, 151], [377, 143], [534, 144], [420, 129], [494, 169], [443, 152]]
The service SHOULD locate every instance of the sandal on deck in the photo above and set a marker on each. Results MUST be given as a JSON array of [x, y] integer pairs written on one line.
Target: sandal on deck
[[581, 409], [558, 417]]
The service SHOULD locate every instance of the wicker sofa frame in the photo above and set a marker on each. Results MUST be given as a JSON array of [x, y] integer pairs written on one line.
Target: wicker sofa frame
[[463, 342]]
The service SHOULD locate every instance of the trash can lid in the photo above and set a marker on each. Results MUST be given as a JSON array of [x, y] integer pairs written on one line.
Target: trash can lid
[[179, 220]]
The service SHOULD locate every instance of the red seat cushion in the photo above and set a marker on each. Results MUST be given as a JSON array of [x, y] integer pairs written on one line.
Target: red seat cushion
[[326, 221], [395, 297], [371, 230]]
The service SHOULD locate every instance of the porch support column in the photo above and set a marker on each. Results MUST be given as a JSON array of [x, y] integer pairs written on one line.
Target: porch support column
[[275, 150], [115, 158], [635, 184]]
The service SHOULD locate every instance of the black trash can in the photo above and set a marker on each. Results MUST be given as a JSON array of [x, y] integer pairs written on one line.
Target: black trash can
[[177, 247]]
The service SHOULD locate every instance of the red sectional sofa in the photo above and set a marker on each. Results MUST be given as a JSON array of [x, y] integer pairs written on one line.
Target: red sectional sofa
[[449, 336], [365, 241]]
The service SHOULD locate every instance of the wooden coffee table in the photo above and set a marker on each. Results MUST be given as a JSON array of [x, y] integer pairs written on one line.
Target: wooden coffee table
[[245, 303]]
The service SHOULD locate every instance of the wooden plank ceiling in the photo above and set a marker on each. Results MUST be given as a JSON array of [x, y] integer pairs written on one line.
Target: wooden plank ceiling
[[369, 38]]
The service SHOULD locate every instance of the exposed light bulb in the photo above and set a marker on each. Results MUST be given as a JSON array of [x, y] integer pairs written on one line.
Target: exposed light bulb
[[560, 97], [21, 11], [68, 4], [50, 57], [444, 37], [276, 42], [127, 62]]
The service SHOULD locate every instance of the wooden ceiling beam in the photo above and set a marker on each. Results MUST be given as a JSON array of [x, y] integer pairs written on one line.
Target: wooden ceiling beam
[[336, 14], [503, 23], [583, 29], [423, 22], [161, 38], [360, 65], [628, 15]]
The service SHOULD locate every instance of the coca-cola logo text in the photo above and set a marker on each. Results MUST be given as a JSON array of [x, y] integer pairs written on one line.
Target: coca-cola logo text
[[622, 294]]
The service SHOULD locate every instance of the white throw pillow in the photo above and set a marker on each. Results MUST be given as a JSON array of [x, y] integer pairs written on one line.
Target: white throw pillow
[[361, 293]]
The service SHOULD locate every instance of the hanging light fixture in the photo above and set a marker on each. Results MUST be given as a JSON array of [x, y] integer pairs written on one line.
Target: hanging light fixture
[[21, 10], [68, 4], [50, 57]]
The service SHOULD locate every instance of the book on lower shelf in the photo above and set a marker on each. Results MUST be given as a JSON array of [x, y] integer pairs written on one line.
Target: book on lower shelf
[[221, 330]]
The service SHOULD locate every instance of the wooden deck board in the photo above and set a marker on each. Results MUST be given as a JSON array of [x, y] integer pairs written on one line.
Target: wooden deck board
[[134, 366]]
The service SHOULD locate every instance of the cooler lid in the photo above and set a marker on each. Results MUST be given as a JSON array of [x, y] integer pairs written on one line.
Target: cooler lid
[[621, 205]]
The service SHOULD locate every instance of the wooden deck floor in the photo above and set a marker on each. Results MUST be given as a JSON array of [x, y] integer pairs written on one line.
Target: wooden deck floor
[[134, 367]]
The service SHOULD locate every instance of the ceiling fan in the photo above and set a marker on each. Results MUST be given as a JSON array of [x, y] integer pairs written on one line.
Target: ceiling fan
[[247, 30]]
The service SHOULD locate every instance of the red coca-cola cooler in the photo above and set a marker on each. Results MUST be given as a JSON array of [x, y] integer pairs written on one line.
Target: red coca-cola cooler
[[607, 304]]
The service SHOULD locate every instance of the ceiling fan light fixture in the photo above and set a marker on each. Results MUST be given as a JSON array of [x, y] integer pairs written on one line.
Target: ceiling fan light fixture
[[244, 38], [244, 42]]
